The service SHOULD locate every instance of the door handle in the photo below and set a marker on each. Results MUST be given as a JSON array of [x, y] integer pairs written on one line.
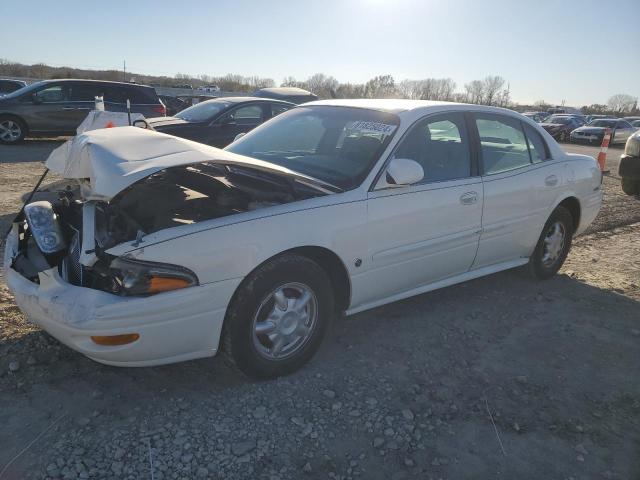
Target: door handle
[[469, 198], [68, 108], [551, 181]]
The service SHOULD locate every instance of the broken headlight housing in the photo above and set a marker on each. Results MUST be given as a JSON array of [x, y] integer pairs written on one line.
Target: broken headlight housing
[[45, 228], [137, 277]]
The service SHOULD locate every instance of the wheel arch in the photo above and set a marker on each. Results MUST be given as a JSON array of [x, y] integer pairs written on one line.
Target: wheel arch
[[328, 260], [572, 204]]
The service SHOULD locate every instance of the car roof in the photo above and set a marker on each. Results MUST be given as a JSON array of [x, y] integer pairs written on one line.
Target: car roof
[[65, 80], [245, 100], [409, 108]]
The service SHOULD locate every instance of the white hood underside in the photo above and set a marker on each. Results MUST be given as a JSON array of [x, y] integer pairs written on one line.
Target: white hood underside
[[114, 158]]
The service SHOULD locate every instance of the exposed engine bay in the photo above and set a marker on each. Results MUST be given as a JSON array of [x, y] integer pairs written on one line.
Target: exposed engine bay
[[168, 198]]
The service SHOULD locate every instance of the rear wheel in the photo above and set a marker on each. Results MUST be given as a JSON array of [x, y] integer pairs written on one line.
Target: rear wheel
[[12, 130], [630, 186], [278, 317], [553, 245]]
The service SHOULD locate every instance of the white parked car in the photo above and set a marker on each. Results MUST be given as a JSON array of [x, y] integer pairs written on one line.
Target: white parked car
[[170, 250]]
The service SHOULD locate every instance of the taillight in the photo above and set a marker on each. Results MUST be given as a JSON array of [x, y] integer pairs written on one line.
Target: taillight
[[160, 109]]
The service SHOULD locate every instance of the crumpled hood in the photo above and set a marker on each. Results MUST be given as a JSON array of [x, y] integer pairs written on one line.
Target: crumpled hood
[[114, 158]]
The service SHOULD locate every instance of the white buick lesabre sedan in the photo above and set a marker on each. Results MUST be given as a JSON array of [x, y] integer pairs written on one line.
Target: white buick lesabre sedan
[[170, 250]]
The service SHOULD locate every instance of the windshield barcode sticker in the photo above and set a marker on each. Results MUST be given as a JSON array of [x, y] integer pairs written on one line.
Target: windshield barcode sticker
[[373, 127]]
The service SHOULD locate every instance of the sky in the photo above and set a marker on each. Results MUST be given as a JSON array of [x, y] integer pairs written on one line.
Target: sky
[[576, 51]]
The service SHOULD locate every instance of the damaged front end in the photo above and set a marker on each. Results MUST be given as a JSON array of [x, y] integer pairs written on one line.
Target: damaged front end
[[73, 235]]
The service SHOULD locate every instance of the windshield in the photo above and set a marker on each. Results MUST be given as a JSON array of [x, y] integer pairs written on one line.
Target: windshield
[[336, 145], [203, 111], [603, 123], [557, 119], [23, 90]]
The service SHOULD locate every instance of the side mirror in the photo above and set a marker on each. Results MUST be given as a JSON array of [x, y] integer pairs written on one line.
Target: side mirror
[[239, 136], [36, 99], [141, 124], [404, 171]]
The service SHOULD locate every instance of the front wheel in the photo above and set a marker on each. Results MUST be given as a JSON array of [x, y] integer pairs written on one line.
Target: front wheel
[[278, 317], [553, 245], [630, 186], [12, 130]]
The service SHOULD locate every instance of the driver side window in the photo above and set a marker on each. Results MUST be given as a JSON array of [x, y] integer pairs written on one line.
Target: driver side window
[[51, 94], [440, 144], [248, 115]]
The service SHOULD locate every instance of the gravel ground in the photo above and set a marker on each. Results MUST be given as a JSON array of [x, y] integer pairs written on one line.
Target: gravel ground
[[522, 379]]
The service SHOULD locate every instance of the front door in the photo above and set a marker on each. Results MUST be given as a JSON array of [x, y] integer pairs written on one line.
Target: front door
[[242, 119], [50, 110], [423, 233]]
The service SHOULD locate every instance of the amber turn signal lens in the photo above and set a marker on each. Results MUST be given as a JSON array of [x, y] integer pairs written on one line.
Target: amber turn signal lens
[[164, 284], [113, 340]]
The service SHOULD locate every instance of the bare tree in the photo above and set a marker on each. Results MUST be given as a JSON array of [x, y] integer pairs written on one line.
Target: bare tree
[[492, 85], [382, 86], [621, 103], [474, 91]]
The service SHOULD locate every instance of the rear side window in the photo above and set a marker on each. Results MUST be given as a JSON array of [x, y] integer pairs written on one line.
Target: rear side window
[[278, 108], [141, 96], [85, 92], [537, 147], [503, 144]]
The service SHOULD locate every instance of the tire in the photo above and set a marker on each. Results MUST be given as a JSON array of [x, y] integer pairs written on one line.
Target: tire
[[630, 186], [550, 253], [12, 130], [288, 278]]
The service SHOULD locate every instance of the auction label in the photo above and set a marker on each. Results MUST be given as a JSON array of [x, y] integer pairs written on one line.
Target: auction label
[[373, 127]]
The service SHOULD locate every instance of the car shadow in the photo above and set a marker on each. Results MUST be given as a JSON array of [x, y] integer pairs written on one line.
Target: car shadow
[[546, 356], [30, 150]]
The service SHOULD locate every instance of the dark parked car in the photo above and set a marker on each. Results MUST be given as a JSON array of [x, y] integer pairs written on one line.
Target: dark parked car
[[287, 94], [173, 104], [621, 130], [560, 126], [217, 122], [9, 85], [57, 107]]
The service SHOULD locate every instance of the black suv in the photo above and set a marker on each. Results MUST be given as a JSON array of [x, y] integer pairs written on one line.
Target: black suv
[[57, 107]]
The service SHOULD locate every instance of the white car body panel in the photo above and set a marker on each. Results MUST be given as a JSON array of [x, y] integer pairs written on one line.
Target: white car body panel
[[409, 239]]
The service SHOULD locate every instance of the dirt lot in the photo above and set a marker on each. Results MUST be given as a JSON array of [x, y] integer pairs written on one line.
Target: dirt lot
[[521, 380]]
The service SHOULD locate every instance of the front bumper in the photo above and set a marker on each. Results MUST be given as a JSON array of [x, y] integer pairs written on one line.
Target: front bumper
[[173, 326], [590, 139]]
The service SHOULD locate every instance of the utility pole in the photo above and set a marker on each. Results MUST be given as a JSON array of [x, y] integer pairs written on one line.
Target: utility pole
[[124, 70]]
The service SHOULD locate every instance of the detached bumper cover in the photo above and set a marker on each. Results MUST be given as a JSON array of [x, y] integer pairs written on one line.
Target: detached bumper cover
[[629, 167], [173, 326]]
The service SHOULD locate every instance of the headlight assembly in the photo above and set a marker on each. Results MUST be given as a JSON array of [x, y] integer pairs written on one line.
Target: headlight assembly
[[43, 222], [136, 277]]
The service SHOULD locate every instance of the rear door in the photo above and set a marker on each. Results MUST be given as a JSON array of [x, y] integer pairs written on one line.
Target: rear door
[[519, 187], [423, 233], [83, 98], [278, 108]]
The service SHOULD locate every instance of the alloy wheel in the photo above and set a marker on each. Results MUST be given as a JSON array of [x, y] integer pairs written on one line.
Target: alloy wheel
[[284, 321], [10, 131], [553, 243]]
